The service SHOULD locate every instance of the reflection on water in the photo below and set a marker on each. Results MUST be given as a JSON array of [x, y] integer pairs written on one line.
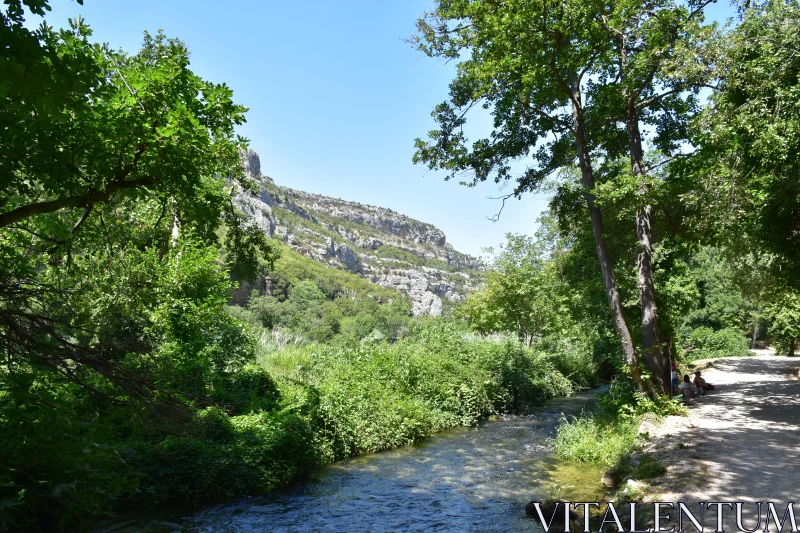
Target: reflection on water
[[465, 479]]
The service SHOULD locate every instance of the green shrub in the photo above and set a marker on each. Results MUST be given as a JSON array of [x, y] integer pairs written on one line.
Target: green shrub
[[58, 468], [587, 439], [607, 435], [623, 401], [711, 344], [572, 354], [250, 389], [236, 455], [377, 395], [251, 427], [785, 323]]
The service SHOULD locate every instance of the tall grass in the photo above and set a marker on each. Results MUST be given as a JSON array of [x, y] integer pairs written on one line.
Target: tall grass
[[289, 362], [377, 395], [608, 434], [590, 440]]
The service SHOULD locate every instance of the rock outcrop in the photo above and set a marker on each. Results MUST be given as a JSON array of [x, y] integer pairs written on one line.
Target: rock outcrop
[[383, 246]]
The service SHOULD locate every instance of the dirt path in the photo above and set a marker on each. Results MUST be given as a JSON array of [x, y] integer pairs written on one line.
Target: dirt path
[[740, 442]]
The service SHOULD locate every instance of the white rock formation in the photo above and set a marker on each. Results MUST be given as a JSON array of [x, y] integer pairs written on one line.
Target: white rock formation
[[379, 244]]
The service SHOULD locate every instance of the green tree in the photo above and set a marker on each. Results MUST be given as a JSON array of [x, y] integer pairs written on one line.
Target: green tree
[[650, 77], [130, 139], [520, 296], [559, 78], [115, 173], [750, 164], [528, 63], [784, 314]]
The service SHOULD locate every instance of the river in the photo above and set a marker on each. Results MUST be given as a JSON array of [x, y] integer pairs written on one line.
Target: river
[[464, 479]]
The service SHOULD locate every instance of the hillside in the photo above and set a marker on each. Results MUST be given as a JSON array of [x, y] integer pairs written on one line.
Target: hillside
[[378, 244]]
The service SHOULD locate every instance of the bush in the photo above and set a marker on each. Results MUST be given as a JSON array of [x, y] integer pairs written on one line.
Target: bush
[[251, 389], [587, 439], [311, 313], [573, 355], [608, 435], [251, 427], [785, 327], [624, 402], [710, 344], [230, 456], [376, 395], [57, 470]]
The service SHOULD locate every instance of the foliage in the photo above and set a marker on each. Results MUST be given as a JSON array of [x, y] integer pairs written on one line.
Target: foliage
[[710, 344], [72, 463], [322, 304], [160, 122], [608, 435], [527, 295], [721, 302], [532, 86], [113, 329], [520, 296], [76, 211], [750, 162], [585, 439], [58, 468], [292, 267], [377, 395], [784, 314], [227, 456], [126, 376], [739, 294], [624, 402], [578, 353]]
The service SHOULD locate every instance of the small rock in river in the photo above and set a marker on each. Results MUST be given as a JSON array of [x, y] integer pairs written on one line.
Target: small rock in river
[[610, 479]]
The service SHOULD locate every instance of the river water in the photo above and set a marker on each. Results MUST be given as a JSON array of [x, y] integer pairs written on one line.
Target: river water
[[464, 479]]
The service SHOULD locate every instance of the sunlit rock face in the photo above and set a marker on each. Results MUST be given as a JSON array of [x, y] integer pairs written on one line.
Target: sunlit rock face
[[381, 245], [252, 163]]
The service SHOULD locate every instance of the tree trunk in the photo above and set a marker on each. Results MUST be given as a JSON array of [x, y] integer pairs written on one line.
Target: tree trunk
[[651, 348], [756, 331], [596, 216]]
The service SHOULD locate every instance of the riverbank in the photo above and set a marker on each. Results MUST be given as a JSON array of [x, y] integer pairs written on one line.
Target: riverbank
[[463, 479], [333, 402]]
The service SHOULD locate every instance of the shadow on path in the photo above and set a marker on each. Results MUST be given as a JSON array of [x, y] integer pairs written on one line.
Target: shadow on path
[[740, 442]]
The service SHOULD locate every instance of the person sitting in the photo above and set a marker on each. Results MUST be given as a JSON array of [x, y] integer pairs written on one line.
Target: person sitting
[[700, 383], [686, 388]]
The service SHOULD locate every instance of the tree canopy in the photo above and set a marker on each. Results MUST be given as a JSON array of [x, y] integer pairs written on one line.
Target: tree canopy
[[116, 174], [570, 84]]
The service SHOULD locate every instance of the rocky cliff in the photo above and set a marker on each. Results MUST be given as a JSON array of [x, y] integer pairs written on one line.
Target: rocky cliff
[[383, 246]]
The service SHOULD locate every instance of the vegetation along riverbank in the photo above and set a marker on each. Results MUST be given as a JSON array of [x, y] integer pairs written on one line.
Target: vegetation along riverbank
[[177, 327]]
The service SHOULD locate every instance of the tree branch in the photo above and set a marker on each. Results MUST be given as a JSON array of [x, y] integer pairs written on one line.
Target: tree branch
[[496, 217], [670, 160], [85, 200], [644, 103]]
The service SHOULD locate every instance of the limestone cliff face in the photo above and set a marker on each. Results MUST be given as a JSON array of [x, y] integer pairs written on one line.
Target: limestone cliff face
[[383, 246]]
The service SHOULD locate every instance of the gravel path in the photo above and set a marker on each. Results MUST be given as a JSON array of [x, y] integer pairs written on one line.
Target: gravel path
[[740, 442]]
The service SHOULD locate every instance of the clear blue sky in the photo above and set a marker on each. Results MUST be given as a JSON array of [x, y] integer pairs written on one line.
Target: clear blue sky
[[336, 97]]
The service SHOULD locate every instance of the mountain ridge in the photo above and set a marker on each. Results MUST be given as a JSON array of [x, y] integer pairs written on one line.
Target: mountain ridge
[[381, 245]]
